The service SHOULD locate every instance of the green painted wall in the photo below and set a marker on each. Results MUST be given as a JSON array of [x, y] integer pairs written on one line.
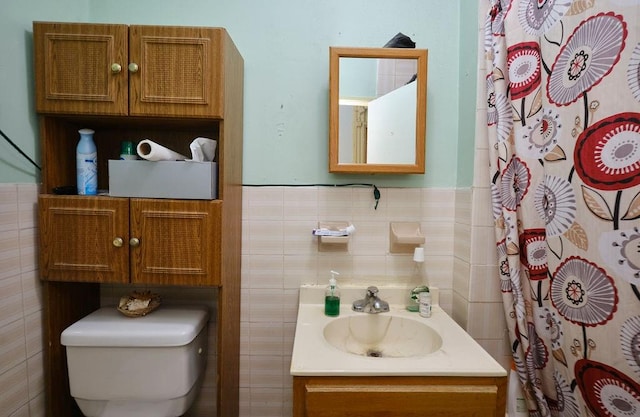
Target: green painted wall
[[468, 70], [17, 117], [285, 47]]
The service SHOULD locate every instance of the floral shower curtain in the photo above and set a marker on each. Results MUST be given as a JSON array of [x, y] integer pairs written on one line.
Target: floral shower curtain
[[563, 119]]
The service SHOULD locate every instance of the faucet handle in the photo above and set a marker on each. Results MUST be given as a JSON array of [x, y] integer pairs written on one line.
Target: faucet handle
[[372, 291]]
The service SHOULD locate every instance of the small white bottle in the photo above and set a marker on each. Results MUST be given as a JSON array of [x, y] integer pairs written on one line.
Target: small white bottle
[[425, 304], [87, 164]]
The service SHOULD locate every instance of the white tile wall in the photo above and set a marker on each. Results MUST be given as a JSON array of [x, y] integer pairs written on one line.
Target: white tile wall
[[394, 73], [476, 294], [21, 368]]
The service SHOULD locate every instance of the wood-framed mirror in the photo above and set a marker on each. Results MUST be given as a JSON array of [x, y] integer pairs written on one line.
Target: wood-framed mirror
[[377, 110]]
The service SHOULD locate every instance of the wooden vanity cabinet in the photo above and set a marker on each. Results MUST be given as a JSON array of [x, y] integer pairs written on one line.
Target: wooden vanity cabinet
[[398, 396], [188, 83]]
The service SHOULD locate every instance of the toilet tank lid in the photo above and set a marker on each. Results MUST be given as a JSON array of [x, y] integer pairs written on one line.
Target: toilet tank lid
[[166, 326]]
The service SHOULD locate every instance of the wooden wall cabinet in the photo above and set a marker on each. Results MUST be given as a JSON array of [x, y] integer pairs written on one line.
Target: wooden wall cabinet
[[399, 396], [129, 70], [186, 82]]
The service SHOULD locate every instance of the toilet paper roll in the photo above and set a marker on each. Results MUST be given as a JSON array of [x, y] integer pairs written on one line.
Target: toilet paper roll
[[152, 151]]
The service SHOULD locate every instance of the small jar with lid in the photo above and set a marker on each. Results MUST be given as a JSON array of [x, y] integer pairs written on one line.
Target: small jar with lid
[[425, 303], [127, 151]]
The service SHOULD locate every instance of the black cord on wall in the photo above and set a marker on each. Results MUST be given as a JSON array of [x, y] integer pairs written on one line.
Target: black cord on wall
[[20, 150], [376, 191]]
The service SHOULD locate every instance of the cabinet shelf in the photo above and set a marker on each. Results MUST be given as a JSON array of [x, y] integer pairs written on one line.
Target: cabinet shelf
[[62, 137]]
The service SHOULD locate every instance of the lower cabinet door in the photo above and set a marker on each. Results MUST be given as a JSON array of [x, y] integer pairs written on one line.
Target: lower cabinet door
[[84, 239], [175, 242]]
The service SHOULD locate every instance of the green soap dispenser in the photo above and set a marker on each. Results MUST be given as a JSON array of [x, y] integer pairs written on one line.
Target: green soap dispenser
[[332, 297]]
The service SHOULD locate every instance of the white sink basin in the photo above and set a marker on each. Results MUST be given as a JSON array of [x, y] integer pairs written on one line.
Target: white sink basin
[[382, 335], [406, 343]]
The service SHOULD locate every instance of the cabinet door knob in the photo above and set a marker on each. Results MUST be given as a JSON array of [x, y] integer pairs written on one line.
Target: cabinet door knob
[[117, 242], [116, 68], [134, 242], [133, 67]]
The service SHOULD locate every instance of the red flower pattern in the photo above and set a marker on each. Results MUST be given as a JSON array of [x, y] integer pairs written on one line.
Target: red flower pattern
[[607, 155]]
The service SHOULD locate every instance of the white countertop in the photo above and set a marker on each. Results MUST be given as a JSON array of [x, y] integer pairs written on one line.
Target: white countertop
[[459, 355]]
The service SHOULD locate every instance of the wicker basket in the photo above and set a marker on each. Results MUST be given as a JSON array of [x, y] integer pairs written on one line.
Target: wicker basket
[[138, 303]]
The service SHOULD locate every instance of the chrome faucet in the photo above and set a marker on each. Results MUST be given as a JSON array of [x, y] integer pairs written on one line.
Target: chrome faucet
[[371, 303]]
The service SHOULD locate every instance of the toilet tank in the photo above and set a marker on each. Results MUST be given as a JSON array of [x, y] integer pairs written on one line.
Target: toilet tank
[[155, 357]]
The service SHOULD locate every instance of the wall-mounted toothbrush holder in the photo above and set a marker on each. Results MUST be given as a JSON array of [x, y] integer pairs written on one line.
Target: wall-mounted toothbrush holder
[[333, 236], [404, 237]]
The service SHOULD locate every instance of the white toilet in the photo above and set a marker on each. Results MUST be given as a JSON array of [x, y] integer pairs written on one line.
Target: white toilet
[[150, 366]]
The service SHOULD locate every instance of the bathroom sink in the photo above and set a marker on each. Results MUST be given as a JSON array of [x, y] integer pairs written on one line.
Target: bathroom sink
[[394, 343], [382, 335]]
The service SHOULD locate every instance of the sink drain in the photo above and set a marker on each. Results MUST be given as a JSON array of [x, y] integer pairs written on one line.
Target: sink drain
[[374, 353]]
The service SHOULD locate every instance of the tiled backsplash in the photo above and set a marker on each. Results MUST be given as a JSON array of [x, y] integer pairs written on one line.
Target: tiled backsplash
[[279, 254], [21, 366]]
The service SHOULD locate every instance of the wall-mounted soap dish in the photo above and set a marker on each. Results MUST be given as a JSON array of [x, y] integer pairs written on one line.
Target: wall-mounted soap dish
[[404, 237], [337, 237]]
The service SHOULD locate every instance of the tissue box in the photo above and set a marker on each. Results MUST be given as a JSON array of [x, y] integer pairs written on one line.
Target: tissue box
[[163, 179]]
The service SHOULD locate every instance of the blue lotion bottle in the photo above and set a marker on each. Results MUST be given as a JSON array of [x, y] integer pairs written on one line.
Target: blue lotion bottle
[[87, 163], [332, 297]]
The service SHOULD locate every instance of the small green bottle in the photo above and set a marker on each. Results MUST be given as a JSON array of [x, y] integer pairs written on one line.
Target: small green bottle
[[416, 285], [127, 152], [332, 297]]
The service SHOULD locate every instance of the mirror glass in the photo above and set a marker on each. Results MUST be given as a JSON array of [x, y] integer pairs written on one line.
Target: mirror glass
[[377, 117]]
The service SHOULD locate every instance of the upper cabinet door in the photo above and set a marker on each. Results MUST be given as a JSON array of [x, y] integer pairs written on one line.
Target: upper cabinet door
[[81, 68], [175, 71], [118, 70]]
